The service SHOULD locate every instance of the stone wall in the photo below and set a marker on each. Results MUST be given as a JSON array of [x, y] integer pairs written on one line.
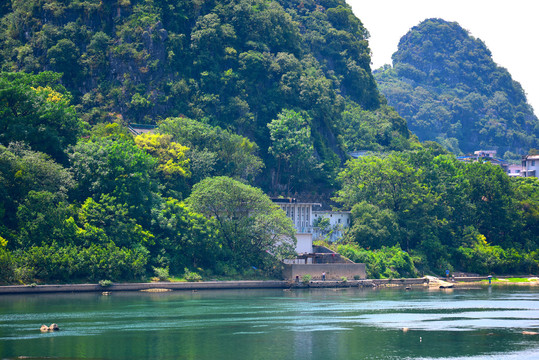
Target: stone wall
[[333, 271]]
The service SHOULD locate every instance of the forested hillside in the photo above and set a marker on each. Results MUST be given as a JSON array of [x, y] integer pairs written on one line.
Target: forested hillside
[[446, 85], [236, 64], [248, 97]]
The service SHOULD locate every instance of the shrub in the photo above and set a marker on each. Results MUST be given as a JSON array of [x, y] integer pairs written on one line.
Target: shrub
[[7, 274], [387, 262], [306, 278], [191, 276], [344, 279], [67, 263], [162, 274], [105, 283]]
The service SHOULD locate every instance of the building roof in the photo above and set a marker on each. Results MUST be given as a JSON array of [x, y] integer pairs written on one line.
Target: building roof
[[138, 129]]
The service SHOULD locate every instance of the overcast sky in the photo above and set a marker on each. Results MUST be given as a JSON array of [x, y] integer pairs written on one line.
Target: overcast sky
[[510, 29]]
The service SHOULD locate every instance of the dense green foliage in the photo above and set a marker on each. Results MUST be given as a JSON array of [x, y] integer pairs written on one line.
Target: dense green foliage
[[112, 209], [251, 225], [446, 85], [443, 212], [244, 93], [35, 110], [236, 64]]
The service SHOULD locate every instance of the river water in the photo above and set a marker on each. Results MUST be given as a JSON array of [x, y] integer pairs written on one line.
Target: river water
[[485, 323]]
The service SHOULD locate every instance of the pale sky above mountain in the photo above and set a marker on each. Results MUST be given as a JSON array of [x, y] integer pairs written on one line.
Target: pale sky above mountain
[[508, 28]]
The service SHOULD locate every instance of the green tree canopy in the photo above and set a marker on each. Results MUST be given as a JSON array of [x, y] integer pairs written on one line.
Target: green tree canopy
[[291, 145], [214, 151], [35, 109], [250, 224], [118, 168]]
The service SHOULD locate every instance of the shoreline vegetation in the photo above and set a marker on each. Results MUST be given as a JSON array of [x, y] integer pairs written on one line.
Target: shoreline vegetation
[[429, 282]]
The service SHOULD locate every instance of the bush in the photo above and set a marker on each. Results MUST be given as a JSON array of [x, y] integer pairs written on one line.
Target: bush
[[306, 278], [24, 275], [191, 276], [105, 283], [68, 263], [7, 274], [162, 274], [344, 279], [387, 262]]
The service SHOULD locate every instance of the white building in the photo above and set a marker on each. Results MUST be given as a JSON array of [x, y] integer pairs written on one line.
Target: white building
[[530, 166], [338, 221], [513, 170], [303, 215]]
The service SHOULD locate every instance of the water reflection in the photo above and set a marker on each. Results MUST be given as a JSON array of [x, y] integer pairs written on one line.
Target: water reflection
[[272, 324]]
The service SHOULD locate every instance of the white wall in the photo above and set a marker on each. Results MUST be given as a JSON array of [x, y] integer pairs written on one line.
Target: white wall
[[335, 217], [305, 243]]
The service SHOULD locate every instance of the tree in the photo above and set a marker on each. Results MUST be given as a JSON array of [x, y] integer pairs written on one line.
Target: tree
[[373, 227], [491, 193], [64, 57], [173, 164], [22, 171], [250, 224], [118, 168], [185, 238], [42, 220], [292, 146], [35, 109], [210, 147], [106, 220]]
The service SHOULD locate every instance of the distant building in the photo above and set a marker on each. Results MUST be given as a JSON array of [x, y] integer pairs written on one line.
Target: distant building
[[317, 261], [530, 166], [513, 170], [303, 214], [484, 156], [358, 153], [338, 222], [139, 129]]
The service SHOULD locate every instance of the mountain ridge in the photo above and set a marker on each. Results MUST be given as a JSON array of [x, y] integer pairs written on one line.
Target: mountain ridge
[[447, 86]]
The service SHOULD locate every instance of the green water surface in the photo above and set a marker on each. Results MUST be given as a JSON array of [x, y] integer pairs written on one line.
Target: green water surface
[[274, 324]]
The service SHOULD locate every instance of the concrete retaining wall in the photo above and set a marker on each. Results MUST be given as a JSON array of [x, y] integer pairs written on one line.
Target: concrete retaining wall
[[206, 285], [333, 271], [362, 283]]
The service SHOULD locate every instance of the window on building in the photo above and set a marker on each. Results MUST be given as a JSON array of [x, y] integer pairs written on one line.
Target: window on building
[[533, 162]]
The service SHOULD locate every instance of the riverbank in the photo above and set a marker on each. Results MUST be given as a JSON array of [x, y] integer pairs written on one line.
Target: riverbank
[[253, 284], [205, 285]]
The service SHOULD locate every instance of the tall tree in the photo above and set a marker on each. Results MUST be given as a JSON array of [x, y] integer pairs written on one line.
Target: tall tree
[[118, 168], [292, 146], [250, 224]]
